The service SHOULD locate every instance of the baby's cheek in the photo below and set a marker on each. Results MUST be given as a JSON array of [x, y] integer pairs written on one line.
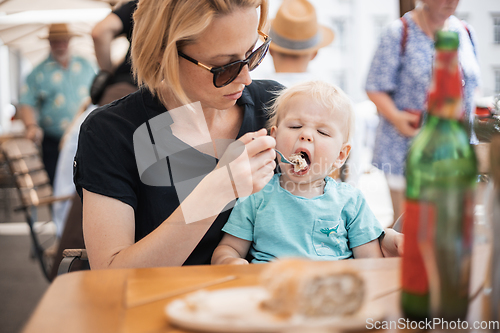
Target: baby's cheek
[[330, 163]]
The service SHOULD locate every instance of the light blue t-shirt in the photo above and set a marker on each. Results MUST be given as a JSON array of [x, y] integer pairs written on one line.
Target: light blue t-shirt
[[280, 224], [57, 93]]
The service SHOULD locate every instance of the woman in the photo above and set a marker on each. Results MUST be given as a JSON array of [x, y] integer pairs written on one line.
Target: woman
[[399, 78], [157, 185]]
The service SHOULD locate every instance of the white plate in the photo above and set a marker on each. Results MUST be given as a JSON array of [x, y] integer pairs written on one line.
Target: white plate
[[238, 310]]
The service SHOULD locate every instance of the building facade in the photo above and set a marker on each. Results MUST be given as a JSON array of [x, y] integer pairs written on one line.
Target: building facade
[[484, 16]]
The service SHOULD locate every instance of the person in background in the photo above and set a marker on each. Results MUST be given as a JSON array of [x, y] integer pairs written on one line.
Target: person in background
[[302, 212], [296, 39], [53, 93], [399, 78], [112, 81]]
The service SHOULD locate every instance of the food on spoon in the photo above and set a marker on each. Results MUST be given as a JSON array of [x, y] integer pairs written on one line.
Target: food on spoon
[[299, 162], [298, 287]]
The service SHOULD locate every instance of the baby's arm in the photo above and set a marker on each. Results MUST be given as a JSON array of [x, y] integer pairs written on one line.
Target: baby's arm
[[368, 250], [231, 251]]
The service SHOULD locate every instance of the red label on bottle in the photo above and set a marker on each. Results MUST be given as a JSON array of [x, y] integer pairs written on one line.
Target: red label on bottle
[[414, 274], [445, 93]]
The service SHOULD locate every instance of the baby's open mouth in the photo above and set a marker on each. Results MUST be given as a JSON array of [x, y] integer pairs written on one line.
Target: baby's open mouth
[[301, 161]]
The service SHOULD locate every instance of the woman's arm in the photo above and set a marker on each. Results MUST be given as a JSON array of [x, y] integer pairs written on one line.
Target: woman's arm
[[109, 224], [231, 251], [103, 34], [403, 121], [109, 230], [368, 250]]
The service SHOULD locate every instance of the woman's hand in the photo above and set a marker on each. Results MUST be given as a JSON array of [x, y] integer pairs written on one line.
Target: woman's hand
[[406, 123], [392, 244], [250, 161]]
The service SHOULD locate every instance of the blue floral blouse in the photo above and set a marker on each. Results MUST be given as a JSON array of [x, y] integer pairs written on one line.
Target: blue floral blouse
[[406, 77]]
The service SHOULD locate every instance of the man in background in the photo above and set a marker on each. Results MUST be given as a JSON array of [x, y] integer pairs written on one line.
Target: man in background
[[296, 39], [53, 93]]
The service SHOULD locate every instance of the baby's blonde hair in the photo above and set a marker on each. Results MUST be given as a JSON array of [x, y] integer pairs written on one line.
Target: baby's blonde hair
[[161, 27], [326, 94]]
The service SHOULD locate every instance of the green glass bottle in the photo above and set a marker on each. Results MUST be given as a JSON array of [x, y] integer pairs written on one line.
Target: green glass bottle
[[441, 173]]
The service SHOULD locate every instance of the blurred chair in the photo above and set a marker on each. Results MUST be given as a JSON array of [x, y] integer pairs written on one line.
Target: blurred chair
[[72, 257], [71, 254], [6, 184], [33, 186]]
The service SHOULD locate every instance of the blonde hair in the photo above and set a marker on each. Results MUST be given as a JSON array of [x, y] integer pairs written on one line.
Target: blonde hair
[[326, 94], [163, 26]]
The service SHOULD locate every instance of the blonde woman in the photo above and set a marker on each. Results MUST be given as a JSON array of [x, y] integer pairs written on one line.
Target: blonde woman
[[132, 219]]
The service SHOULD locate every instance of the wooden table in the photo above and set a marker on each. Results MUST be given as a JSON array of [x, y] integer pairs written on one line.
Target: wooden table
[[96, 301]]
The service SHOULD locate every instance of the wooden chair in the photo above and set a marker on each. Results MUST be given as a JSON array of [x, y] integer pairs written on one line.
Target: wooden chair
[[6, 184], [70, 257], [71, 254], [34, 188]]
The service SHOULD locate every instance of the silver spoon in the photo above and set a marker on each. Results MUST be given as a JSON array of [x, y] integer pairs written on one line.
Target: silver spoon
[[283, 158]]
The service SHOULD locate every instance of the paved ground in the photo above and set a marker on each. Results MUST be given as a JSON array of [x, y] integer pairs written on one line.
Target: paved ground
[[21, 281]]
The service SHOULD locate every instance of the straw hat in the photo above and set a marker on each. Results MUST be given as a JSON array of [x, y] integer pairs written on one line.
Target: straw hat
[[59, 31], [295, 29]]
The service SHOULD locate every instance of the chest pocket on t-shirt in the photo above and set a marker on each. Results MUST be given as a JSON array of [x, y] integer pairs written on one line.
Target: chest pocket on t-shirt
[[329, 237]]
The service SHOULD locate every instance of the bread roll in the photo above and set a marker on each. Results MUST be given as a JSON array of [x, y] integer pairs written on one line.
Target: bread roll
[[304, 288]]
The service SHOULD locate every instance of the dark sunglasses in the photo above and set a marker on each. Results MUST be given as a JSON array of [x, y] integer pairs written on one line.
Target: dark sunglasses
[[226, 74]]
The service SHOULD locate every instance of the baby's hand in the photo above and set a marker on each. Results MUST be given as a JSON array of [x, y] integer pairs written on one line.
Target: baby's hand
[[234, 261]]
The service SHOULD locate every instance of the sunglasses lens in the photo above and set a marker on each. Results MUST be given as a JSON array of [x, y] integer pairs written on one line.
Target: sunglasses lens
[[257, 57], [229, 73]]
